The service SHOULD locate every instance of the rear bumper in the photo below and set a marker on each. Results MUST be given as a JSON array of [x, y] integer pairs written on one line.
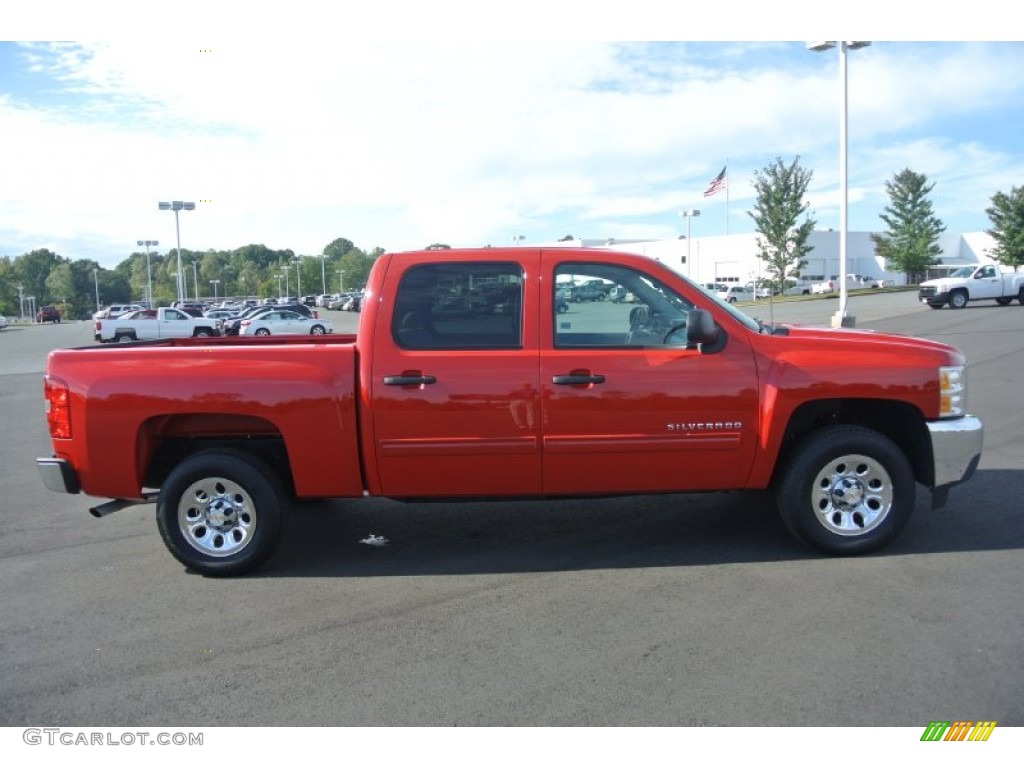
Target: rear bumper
[[58, 475], [956, 449]]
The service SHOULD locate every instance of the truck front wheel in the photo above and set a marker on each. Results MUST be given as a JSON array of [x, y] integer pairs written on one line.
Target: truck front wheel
[[219, 512], [846, 491], [958, 299]]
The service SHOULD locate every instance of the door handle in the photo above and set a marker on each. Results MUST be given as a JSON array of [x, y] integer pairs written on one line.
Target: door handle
[[405, 380], [575, 379]]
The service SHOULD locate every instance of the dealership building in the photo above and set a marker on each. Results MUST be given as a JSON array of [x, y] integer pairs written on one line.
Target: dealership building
[[733, 258]]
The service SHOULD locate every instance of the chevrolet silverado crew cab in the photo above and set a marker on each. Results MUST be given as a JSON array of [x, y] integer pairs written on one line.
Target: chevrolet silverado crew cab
[[466, 381]]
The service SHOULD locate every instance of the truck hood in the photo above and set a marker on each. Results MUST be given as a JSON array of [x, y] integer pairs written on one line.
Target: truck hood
[[874, 339]]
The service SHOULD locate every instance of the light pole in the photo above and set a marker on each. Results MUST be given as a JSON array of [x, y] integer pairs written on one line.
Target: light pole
[[96, 280], [178, 205], [279, 277], [149, 269], [841, 318], [688, 215], [517, 239], [341, 281], [323, 272], [215, 283], [298, 279], [195, 279]]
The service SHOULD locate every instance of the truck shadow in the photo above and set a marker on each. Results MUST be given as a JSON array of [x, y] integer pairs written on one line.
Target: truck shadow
[[386, 538]]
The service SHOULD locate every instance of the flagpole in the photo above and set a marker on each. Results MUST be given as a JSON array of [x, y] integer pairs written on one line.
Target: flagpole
[[727, 195]]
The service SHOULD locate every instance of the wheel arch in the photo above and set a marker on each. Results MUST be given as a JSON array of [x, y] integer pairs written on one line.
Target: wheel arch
[[166, 441], [900, 422]]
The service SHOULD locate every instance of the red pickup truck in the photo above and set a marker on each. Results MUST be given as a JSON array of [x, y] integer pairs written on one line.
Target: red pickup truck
[[466, 380]]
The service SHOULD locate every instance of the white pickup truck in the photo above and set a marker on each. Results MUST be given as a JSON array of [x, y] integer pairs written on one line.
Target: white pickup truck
[[989, 281], [853, 282], [148, 324]]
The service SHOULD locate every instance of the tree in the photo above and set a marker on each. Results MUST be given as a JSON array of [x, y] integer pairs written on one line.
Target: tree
[[910, 244], [1007, 216], [781, 241], [338, 247], [32, 269]]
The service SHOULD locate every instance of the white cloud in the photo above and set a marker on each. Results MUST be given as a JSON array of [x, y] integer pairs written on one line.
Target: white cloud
[[399, 145]]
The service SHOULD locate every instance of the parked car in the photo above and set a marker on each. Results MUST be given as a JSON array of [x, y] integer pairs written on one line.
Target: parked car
[[48, 315], [588, 292], [3, 322], [797, 287], [734, 293], [713, 287], [283, 321], [114, 311], [221, 314], [231, 326], [853, 282]]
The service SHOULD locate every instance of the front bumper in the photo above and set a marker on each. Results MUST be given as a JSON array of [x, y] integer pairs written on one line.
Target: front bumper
[[956, 449], [932, 297], [58, 475]]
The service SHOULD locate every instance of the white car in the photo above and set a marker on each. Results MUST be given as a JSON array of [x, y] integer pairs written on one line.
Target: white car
[[283, 321], [3, 322], [114, 311], [734, 293]]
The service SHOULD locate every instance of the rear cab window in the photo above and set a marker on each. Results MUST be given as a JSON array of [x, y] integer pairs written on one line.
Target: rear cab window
[[459, 305]]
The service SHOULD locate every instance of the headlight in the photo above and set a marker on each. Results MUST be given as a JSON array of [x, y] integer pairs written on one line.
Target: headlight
[[952, 391]]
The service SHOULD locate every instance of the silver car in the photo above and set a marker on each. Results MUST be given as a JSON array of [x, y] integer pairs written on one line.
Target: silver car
[[283, 321]]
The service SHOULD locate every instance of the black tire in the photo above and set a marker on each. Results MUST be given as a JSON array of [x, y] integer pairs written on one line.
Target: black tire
[[202, 333], [318, 330], [846, 490], [1004, 301], [958, 299], [220, 512], [124, 338], [261, 332]]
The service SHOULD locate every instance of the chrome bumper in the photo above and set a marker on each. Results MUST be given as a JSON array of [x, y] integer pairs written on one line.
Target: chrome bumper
[[58, 475], [956, 449]]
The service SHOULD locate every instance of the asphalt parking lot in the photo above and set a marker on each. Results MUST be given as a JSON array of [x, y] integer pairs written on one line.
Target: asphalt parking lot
[[681, 610]]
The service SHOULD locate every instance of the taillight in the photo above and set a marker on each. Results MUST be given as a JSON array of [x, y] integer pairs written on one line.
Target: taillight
[[58, 407]]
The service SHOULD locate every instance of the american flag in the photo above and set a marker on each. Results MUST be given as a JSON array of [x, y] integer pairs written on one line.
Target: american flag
[[716, 184]]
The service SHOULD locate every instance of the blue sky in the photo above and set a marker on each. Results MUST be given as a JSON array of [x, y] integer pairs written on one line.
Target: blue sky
[[399, 136]]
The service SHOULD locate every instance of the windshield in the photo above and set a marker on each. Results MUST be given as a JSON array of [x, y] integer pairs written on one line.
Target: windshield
[[962, 272]]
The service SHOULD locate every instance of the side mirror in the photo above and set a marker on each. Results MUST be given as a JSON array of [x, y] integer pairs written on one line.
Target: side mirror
[[702, 329]]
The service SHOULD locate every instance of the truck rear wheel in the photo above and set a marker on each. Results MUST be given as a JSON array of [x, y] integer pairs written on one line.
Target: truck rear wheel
[[220, 512], [846, 491]]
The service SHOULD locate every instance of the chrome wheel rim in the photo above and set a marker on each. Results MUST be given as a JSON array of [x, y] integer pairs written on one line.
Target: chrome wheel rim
[[852, 495], [217, 516]]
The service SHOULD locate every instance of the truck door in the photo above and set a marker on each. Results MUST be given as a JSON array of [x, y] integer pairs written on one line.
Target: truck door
[[987, 283], [626, 405], [454, 384]]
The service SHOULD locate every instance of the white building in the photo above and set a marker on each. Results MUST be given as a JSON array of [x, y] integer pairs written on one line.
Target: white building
[[733, 258]]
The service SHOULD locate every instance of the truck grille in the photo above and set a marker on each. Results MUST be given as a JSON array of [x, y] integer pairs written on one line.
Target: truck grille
[[926, 291]]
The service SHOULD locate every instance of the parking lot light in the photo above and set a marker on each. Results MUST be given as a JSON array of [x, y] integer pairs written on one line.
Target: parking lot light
[[841, 318], [178, 205]]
